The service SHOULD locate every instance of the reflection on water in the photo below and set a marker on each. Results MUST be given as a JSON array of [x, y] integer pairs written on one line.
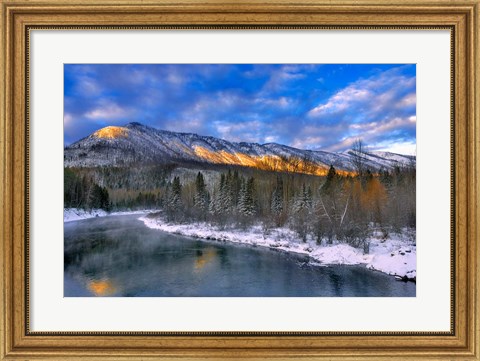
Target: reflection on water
[[119, 256], [101, 288], [204, 258]]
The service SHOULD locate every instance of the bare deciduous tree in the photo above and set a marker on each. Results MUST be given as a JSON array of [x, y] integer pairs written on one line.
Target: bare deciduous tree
[[358, 156]]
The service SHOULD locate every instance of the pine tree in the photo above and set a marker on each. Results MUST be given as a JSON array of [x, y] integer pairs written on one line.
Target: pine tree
[[105, 199], [174, 205], [242, 197], [330, 180], [98, 198], [248, 205], [215, 208], [176, 200], [226, 192], [165, 199], [201, 197], [214, 205], [276, 205], [235, 188], [303, 201], [302, 212], [201, 194], [251, 197]]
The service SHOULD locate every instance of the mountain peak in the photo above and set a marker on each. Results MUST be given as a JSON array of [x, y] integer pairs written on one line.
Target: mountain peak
[[111, 132], [134, 124]]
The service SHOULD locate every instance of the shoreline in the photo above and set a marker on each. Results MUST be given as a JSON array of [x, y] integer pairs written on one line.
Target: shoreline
[[395, 257], [78, 214]]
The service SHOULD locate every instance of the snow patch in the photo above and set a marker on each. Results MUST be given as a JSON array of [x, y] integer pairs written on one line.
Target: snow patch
[[76, 214]]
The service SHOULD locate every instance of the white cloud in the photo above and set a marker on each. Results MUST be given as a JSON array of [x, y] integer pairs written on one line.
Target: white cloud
[[341, 101], [280, 77], [282, 102], [308, 142], [175, 78], [370, 97], [409, 100], [138, 77], [193, 125], [376, 109], [240, 132], [373, 133], [67, 119], [108, 111], [406, 148], [271, 139], [88, 86]]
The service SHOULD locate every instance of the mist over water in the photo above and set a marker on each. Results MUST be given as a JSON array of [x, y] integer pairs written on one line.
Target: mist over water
[[119, 256]]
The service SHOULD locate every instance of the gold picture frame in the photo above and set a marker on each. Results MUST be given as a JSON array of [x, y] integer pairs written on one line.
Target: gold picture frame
[[19, 17]]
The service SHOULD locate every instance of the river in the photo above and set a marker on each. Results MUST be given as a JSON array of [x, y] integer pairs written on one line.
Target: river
[[120, 256]]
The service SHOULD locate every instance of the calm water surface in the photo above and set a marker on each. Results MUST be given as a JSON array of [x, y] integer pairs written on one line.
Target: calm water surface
[[119, 256]]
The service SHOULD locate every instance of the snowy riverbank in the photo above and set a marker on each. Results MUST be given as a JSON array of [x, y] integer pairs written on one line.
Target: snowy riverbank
[[394, 256], [76, 214]]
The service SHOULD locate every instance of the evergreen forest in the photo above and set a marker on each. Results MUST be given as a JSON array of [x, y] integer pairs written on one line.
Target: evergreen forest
[[345, 208]]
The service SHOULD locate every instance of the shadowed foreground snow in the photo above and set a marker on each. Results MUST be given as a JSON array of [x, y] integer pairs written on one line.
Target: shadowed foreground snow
[[394, 256]]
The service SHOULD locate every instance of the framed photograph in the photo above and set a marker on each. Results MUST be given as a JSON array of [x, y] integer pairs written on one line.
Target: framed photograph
[[205, 180], [256, 179]]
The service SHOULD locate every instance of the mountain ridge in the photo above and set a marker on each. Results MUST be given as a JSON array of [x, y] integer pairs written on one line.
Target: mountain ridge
[[136, 143]]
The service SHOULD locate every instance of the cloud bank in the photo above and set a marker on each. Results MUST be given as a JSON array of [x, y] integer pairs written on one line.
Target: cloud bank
[[309, 106]]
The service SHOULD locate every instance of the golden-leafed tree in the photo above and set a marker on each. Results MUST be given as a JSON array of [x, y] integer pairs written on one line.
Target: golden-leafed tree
[[374, 200]]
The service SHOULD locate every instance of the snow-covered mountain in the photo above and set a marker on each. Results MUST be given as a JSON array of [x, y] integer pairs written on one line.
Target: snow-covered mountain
[[139, 144]]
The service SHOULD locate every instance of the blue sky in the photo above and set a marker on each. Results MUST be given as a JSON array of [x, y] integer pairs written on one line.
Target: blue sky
[[308, 106]]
